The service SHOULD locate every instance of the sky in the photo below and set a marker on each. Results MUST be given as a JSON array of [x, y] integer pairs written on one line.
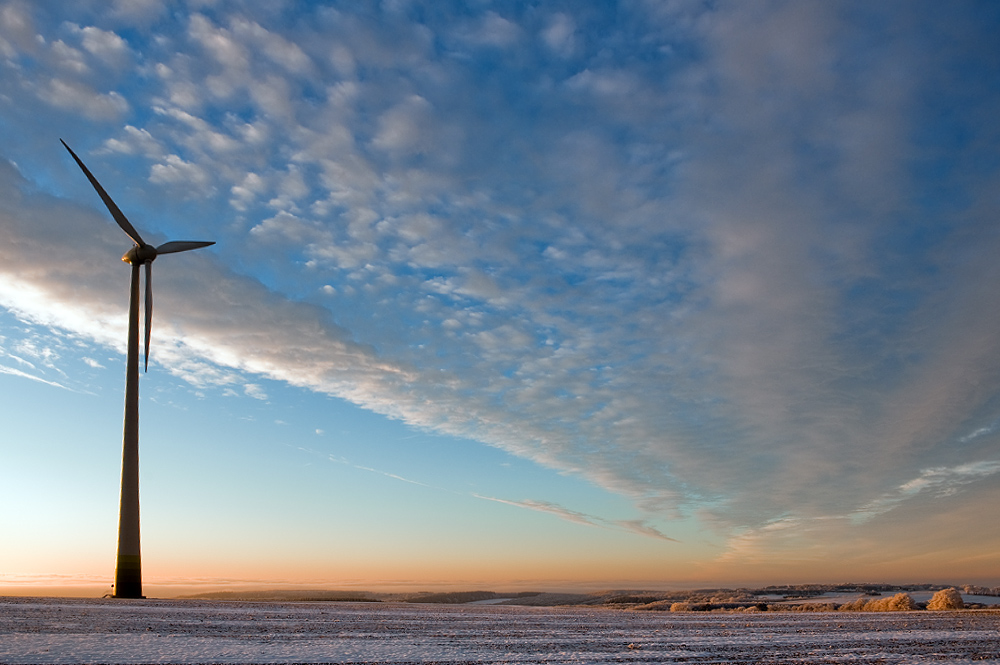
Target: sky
[[504, 295]]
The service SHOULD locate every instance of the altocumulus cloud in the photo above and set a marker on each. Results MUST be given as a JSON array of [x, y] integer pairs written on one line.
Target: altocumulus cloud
[[733, 261]]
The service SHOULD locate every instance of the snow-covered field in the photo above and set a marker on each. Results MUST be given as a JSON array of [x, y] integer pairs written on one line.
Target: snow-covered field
[[51, 630]]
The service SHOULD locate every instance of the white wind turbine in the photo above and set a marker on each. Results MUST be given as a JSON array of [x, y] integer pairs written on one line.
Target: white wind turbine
[[128, 571]]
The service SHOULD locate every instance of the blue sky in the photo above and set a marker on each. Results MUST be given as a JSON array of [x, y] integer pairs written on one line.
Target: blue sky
[[560, 294]]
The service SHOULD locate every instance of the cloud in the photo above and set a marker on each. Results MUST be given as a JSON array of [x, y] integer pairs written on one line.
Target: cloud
[[560, 35], [278, 49], [405, 128], [546, 507], [18, 29], [285, 227], [219, 43], [393, 476], [256, 391], [105, 45], [982, 431], [76, 96], [490, 30], [635, 526], [244, 193], [203, 138], [939, 482], [605, 84], [135, 141], [4, 369], [138, 12], [778, 538], [175, 171], [643, 529]]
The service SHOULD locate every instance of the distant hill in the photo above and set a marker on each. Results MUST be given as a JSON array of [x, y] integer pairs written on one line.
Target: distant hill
[[774, 596], [294, 595], [463, 597]]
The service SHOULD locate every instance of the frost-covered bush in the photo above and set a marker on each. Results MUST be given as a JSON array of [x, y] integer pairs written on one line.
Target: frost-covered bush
[[657, 606], [946, 599], [812, 607], [901, 602]]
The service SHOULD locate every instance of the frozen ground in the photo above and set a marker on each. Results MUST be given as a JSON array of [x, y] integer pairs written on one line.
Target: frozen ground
[[49, 630]]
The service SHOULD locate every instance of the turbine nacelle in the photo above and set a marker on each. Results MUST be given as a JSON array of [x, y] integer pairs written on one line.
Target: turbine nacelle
[[140, 254]]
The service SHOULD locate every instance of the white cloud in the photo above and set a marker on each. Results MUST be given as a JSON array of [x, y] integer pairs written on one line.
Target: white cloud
[[247, 191], [24, 375], [939, 482], [480, 285], [202, 136], [614, 84], [140, 12], [560, 35], [405, 128], [105, 45], [748, 546], [982, 431], [75, 96], [175, 171], [220, 44], [17, 29], [135, 141], [490, 29], [255, 391], [634, 526], [181, 92], [69, 59], [274, 46], [286, 227], [273, 96], [293, 186]]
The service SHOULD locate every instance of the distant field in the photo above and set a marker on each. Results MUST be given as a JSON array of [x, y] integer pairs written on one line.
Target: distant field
[[50, 630]]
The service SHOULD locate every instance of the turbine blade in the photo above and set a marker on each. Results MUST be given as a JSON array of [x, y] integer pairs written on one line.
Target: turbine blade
[[181, 246], [112, 207], [149, 308]]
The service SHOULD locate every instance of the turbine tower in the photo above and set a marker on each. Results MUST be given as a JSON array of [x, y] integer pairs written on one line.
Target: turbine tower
[[128, 571]]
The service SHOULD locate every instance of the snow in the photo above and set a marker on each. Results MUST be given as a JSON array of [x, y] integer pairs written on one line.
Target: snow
[[51, 630]]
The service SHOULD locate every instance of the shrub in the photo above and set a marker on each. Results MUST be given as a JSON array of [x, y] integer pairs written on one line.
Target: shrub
[[853, 606], [680, 607], [901, 602], [946, 599], [812, 607]]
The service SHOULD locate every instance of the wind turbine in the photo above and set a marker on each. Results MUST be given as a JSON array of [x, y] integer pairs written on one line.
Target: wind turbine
[[128, 571]]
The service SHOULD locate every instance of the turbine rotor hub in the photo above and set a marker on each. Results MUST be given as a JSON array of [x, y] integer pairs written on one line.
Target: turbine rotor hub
[[139, 254]]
